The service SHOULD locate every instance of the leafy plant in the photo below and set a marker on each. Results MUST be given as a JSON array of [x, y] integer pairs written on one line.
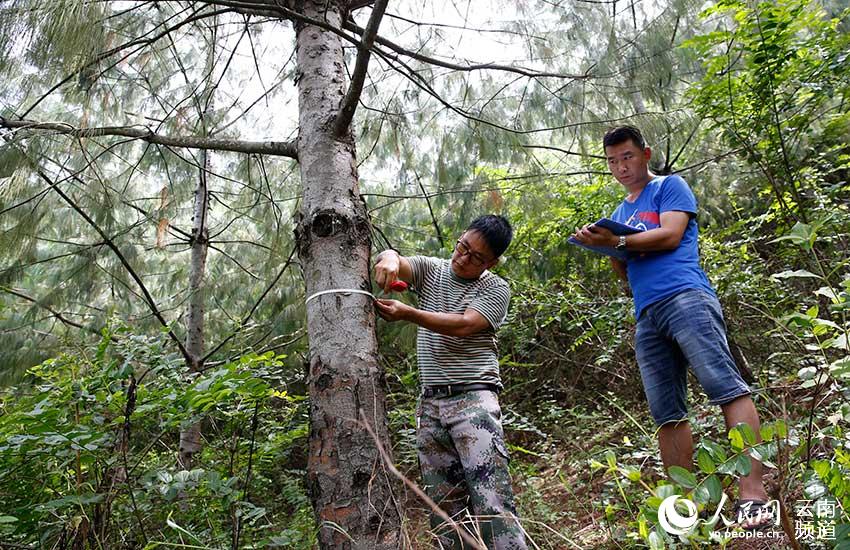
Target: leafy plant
[[87, 449]]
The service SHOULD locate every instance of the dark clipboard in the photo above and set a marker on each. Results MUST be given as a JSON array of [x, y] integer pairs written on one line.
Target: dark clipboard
[[616, 228]]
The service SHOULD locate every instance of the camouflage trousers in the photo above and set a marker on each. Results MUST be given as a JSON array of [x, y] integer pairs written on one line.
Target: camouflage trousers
[[464, 465]]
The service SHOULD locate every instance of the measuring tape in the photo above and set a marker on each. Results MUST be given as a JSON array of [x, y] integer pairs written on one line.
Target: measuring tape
[[395, 286]]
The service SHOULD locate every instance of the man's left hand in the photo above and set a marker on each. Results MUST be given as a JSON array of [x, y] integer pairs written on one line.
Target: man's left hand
[[392, 310], [592, 235]]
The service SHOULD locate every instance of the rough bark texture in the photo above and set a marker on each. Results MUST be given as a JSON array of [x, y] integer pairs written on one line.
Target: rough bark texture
[[349, 488]]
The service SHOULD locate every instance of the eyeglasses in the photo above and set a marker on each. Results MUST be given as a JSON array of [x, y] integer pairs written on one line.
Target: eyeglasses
[[474, 257]]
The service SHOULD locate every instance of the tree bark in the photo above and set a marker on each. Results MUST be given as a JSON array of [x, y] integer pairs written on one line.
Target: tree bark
[[352, 495], [190, 436]]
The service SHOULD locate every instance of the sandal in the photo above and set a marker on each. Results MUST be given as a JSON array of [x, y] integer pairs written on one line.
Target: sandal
[[754, 514]]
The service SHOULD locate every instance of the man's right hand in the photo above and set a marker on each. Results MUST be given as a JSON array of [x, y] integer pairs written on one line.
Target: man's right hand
[[387, 268], [390, 267]]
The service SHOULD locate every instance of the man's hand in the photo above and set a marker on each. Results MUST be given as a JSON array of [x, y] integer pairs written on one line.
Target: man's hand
[[450, 324], [386, 270], [592, 235], [393, 310], [391, 267]]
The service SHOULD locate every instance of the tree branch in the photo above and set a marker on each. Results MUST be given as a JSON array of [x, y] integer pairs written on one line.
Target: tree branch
[[353, 27], [278, 148], [418, 80], [431, 210], [259, 7], [148, 299], [276, 9], [265, 8], [105, 55], [712, 159], [232, 259], [388, 464], [52, 311], [355, 87], [564, 151]]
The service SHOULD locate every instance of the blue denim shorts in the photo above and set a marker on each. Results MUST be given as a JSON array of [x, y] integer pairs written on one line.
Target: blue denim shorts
[[685, 329]]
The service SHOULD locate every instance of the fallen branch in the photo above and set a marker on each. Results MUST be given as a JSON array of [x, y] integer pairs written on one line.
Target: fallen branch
[[474, 544]]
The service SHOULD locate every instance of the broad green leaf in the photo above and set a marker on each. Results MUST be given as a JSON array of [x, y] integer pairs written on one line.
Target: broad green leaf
[[801, 234], [813, 487], [632, 474], [712, 483], [748, 433], [654, 502], [655, 541], [842, 536], [840, 342], [797, 319], [664, 491], [701, 495], [704, 461], [718, 453], [726, 468], [828, 293], [682, 477], [736, 439], [743, 465], [827, 323]]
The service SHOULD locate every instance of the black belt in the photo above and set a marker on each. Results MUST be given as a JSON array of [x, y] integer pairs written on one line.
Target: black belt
[[449, 390]]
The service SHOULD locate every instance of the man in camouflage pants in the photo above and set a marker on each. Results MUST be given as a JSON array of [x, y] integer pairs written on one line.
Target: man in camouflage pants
[[462, 452]]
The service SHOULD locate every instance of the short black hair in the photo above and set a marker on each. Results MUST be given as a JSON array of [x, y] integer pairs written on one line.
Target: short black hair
[[621, 134], [496, 230]]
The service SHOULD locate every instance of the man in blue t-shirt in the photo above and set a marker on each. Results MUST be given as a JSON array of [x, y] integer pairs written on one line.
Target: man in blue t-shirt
[[679, 321]]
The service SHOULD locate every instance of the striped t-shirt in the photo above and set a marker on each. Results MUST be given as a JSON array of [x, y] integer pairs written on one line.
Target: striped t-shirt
[[452, 359]]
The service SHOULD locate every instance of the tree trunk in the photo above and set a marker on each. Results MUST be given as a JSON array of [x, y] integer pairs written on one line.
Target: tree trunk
[[190, 436], [350, 490]]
